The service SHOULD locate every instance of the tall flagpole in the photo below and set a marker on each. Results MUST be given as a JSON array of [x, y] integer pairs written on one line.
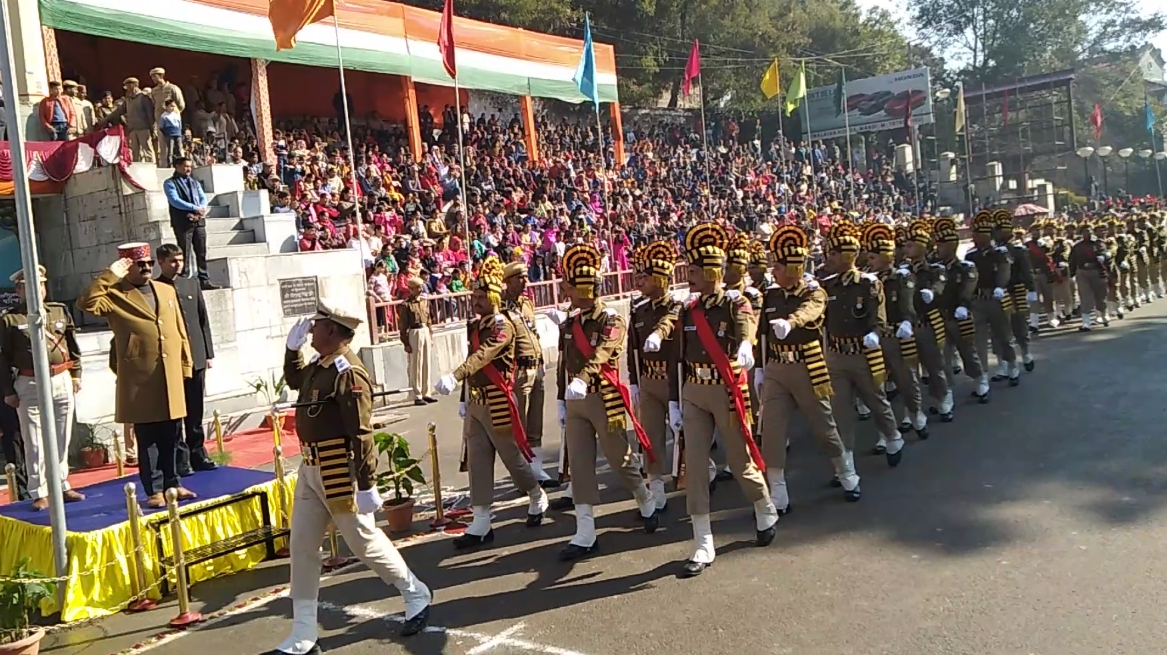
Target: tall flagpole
[[601, 149], [35, 306], [847, 126], [462, 165], [704, 131], [348, 126], [809, 142]]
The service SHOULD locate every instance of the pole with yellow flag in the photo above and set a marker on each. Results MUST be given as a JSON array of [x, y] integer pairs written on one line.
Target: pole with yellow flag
[[771, 87]]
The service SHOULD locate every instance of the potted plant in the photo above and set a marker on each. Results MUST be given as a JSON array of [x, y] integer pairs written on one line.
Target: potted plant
[[274, 390], [20, 599], [93, 452], [402, 472]]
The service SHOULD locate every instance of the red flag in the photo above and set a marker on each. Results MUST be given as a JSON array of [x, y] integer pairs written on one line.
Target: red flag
[[446, 40], [692, 68], [1096, 120], [1005, 110]]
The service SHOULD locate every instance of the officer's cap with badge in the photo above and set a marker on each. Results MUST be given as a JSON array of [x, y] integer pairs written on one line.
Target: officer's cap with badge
[[18, 276], [920, 231], [844, 237], [514, 269], [737, 254], [326, 310], [788, 244], [1003, 220], [984, 222], [878, 238], [581, 269], [659, 259], [944, 230], [705, 245]]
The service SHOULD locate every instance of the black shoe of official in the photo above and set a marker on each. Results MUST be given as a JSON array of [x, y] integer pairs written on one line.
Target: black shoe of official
[[205, 465], [562, 504], [890, 395], [763, 538], [651, 523], [924, 381], [1013, 382], [984, 400], [906, 426], [534, 520], [693, 569], [835, 483], [864, 417], [420, 403], [186, 472], [550, 483], [468, 541], [923, 434], [933, 411], [956, 370], [723, 475], [417, 624], [998, 378], [429, 399], [879, 450], [853, 495], [315, 650], [1030, 365], [946, 417], [893, 460], [573, 552], [1033, 330], [207, 285]]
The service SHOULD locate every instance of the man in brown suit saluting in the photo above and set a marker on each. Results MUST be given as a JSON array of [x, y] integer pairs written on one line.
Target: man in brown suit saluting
[[153, 358]]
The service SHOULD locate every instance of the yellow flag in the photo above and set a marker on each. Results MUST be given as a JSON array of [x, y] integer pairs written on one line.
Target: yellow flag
[[797, 90], [288, 17], [960, 118], [771, 85]]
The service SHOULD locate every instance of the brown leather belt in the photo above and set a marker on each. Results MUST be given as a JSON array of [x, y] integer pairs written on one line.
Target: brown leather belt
[[54, 369]]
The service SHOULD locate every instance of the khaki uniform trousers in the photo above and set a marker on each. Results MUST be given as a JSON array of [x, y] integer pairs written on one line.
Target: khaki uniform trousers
[[529, 399], [30, 426], [851, 377], [310, 519], [482, 443], [1142, 275], [164, 154], [1019, 323], [993, 324], [970, 361], [1092, 286], [1045, 295], [1064, 293], [420, 343], [1153, 272], [932, 361], [142, 146], [587, 423], [705, 408], [1127, 289], [905, 377], [786, 389], [1163, 268], [654, 418]]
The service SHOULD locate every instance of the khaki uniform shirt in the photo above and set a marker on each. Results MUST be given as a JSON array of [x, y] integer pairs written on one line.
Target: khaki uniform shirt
[[855, 305], [341, 379], [16, 346], [732, 320], [414, 313], [652, 316], [899, 291], [803, 306], [163, 92], [960, 286], [605, 330], [528, 348], [496, 344], [932, 277], [994, 267]]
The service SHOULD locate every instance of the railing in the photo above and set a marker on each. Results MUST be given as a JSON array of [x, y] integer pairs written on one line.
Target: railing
[[454, 307]]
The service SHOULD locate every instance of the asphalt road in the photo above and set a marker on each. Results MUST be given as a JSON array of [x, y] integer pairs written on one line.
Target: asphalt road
[[1032, 525]]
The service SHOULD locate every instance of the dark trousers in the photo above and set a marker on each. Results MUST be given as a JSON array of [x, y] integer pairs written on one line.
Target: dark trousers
[[13, 444], [157, 455], [193, 234], [192, 448]]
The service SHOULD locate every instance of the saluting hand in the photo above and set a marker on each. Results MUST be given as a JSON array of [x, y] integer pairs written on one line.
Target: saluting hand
[[121, 266]]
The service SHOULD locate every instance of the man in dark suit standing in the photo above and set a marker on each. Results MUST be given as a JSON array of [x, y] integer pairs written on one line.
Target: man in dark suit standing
[[188, 215], [192, 452]]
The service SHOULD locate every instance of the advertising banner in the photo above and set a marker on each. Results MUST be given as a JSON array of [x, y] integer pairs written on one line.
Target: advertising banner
[[873, 104]]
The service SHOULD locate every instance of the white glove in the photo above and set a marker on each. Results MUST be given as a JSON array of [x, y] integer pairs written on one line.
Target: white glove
[[299, 334], [1125, 266], [1031, 296], [781, 328], [652, 343], [745, 355], [461, 410], [676, 422], [759, 376], [634, 394], [871, 340], [998, 293], [961, 313], [1101, 259], [557, 317], [577, 389], [904, 331], [562, 414], [927, 296], [368, 501], [446, 384]]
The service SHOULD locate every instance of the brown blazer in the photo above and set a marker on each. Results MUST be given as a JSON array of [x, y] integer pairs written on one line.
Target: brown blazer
[[153, 354]]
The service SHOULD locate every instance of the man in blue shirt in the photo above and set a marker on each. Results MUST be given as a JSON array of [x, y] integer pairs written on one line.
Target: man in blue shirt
[[188, 215]]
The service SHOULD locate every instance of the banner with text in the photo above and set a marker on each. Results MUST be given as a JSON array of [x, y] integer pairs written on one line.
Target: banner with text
[[873, 104]]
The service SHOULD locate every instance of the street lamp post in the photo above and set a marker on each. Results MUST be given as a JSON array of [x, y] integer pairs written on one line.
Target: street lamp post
[[1085, 152], [1159, 156], [1125, 153], [1103, 153]]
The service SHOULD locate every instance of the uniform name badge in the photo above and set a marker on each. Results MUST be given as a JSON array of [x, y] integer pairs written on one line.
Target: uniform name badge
[[721, 329]]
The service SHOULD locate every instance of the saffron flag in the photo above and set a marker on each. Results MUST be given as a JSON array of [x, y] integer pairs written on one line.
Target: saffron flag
[[288, 17], [585, 72], [692, 68], [771, 84], [446, 40]]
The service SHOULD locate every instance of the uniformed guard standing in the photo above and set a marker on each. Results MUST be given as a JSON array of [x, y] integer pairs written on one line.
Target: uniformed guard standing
[[1063, 284], [992, 302], [898, 340], [1045, 273], [1090, 265], [336, 482], [19, 385], [793, 376], [650, 347], [1021, 289], [1127, 288], [491, 409], [715, 354], [417, 335], [737, 261], [930, 330], [1142, 261], [593, 402], [855, 320], [530, 369]]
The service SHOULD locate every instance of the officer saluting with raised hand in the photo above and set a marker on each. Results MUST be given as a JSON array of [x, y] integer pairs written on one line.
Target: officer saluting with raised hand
[[336, 479]]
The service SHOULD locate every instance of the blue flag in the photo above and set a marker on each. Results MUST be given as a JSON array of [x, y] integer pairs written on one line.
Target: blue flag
[[585, 72], [1150, 115]]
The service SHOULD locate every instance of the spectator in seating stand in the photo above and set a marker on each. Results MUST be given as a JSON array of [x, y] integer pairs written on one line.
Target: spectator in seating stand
[[309, 241], [82, 109], [162, 92], [56, 113], [170, 128], [136, 111]]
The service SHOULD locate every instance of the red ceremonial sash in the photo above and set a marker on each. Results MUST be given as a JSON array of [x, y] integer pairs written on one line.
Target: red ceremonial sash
[[734, 382], [609, 375], [496, 378]]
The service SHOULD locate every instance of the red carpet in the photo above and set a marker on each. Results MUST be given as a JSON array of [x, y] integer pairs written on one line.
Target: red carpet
[[245, 449]]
